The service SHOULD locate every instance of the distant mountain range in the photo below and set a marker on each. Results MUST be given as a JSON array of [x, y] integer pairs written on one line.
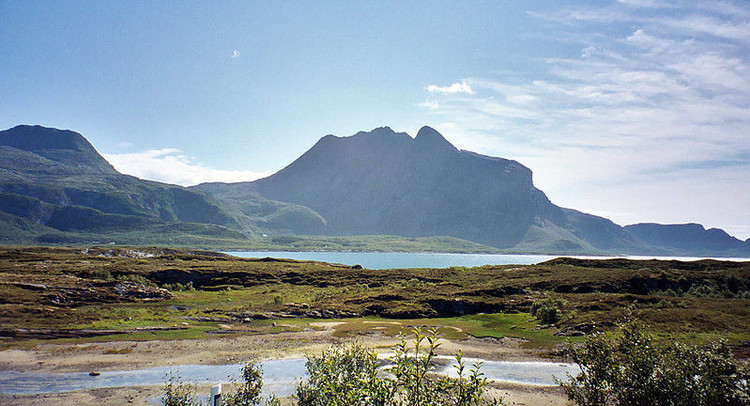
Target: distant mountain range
[[55, 188]]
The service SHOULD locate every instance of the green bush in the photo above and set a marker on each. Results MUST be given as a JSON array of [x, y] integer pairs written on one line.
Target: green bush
[[342, 375], [248, 391], [349, 376], [178, 393], [632, 369], [547, 311], [135, 278]]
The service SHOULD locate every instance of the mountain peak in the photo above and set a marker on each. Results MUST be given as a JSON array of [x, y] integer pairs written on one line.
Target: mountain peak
[[36, 137], [429, 137], [64, 146], [381, 132]]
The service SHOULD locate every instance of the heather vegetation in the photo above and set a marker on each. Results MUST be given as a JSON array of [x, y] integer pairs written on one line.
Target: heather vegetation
[[113, 292]]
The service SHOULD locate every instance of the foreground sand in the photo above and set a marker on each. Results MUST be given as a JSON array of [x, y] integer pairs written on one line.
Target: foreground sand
[[135, 355]]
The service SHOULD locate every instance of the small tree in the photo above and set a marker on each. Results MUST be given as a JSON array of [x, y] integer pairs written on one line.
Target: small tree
[[341, 376], [631, 369]]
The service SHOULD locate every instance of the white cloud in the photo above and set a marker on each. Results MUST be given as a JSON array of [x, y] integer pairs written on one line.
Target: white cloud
[[170, 165], [652, 125], [235, 54], [458, 87]]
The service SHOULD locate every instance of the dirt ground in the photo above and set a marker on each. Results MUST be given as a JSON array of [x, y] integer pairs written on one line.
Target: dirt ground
[[122, 355]]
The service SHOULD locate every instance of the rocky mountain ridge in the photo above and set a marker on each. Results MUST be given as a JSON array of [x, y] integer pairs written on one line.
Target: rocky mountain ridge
[[385, 182], [55, 187]]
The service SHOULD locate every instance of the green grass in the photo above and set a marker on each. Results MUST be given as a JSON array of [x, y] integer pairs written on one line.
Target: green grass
[[497, 325]]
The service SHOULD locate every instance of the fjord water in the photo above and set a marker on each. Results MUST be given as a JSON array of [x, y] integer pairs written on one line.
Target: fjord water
[[395, 260], [392, 260]]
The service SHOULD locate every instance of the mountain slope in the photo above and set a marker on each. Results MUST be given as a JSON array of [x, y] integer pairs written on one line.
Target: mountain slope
[[56, 180], [61, 169], [383, 182], [41, 150]]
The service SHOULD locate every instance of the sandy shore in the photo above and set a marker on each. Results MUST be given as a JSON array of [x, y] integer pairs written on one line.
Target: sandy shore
[[126, 355]]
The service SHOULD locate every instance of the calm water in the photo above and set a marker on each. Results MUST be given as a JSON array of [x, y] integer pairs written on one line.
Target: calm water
[[279, 376], [390, 260], [530, 373]]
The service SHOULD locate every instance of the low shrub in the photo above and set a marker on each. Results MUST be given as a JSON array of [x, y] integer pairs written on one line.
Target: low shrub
[[632, 369], [248, 391], [178, 393], [349, 376], [547, 311]]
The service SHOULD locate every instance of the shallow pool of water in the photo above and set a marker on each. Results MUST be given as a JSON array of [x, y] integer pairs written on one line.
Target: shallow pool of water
[[525, 372], [280, 377]]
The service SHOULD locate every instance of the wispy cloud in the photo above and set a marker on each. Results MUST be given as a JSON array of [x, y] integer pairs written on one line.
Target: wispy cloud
[[645, 3], [170, 165], [630, 125], [430, 104]]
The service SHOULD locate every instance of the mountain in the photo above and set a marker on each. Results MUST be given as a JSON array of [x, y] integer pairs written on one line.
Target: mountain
[[689, 239], [54, 182], [384, 182], [38, 151], [54, 186]]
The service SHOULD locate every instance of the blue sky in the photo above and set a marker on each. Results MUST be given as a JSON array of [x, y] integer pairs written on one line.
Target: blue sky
[[636, 110]]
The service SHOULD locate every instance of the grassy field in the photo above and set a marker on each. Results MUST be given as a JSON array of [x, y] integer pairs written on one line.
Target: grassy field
[[100, 294]]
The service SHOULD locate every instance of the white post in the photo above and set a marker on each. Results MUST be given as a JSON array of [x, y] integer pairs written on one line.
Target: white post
[[216, 395]]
